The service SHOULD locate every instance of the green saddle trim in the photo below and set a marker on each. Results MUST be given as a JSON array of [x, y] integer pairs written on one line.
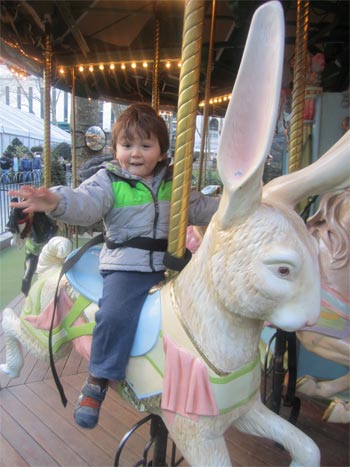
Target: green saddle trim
[[62, 333], [65, 332]]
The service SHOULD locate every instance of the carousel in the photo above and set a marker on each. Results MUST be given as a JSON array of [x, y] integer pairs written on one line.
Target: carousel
[[241, 357]]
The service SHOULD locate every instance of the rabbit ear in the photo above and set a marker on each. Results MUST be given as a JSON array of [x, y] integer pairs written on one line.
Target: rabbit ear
[[330, 172], [251, 115]]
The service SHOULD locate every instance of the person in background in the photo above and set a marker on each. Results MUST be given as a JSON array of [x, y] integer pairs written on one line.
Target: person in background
[[15, 164], [26, 167], [63, 163], [5, 164], [132, 195], [37, 168]]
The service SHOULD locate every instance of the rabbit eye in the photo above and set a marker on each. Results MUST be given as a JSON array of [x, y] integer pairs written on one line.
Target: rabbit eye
[[283, 271]]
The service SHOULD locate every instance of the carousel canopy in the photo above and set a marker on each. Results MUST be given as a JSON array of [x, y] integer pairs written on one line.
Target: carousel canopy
[[119, 36]]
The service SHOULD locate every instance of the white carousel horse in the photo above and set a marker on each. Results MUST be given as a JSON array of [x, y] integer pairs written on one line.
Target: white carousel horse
[[330, 337], [256, 263]]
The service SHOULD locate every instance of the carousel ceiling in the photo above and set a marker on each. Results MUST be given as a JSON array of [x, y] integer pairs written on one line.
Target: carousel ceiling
[[120, 36]]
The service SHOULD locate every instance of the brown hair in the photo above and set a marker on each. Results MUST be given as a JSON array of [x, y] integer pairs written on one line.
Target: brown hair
[[143, 120]]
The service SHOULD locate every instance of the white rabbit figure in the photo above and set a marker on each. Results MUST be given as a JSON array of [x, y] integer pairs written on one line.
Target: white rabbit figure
[[256, 263]]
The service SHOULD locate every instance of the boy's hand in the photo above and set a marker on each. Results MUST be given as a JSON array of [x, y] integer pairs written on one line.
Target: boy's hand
[[34, 199]]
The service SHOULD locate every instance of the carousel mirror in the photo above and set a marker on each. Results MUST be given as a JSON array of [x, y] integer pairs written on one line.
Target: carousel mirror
[[95, 138]]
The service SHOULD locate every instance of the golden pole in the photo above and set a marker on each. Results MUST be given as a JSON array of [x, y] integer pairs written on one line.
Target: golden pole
[[74, 148], [298, 94], [186, 118], [73, 126], [206, 97], [47, 105], [155, 81]]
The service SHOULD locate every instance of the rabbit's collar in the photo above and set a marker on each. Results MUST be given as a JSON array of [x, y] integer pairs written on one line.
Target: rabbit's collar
[[190, 335]]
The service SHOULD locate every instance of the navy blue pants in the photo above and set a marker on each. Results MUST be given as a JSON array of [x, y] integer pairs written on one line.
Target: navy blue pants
[[123, 296]]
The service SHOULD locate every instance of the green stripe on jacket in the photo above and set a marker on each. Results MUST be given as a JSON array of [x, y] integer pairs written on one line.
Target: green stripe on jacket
[[137, 195]]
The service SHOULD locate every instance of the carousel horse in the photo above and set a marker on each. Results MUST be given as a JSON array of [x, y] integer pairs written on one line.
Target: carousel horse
[[330, 337], [195, 359]]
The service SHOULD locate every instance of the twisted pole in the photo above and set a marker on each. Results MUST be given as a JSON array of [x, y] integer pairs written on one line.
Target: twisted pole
[[298, 94], [47, 104], [206, 99], [186, 118], [74, 129], [155, 81]]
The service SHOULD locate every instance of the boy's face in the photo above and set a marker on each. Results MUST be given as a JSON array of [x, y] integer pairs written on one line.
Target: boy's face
[[138, 156]]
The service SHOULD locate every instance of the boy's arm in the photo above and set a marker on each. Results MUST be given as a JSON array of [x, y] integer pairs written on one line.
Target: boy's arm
[[202, 208], [86, 204]]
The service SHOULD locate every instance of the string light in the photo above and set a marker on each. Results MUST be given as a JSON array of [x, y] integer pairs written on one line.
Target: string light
[[217, 100], [120, 65], [18, 72]]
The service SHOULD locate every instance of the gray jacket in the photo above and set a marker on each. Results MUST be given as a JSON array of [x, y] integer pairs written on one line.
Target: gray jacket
[[129, 207]]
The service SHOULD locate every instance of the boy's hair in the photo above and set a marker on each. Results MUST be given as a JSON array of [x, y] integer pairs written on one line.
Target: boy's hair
[[143, 120]]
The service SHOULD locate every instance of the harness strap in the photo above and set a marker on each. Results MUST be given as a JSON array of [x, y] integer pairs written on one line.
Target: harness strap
[[143, 243], [67, 265]]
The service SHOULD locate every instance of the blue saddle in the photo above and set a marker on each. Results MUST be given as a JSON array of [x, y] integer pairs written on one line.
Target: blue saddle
[[85, 278]]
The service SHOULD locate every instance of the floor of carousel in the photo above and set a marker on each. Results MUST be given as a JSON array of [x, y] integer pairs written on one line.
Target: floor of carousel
[[36, 430]]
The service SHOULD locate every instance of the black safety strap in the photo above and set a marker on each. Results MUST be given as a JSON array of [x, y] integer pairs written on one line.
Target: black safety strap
[[66, 266], [143, 243], [175, 263]]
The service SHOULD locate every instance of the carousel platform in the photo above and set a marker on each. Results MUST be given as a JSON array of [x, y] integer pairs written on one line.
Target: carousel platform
[[36, 430]]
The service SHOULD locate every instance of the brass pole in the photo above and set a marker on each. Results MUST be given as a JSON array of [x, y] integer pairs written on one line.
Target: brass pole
[[74, 149], [73, 130], [47, 104], [206, 98], [155, 80], [186, 117], [298, 94]]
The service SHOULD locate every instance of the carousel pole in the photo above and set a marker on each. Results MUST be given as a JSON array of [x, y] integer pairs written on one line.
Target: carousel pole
[[74, 148], [47, 103], [206, 99], [298, 94], [155, 82], [73, 125], [186, 119]]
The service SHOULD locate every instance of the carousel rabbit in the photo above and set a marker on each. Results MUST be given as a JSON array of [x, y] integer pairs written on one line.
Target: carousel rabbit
[[330, 337], [256, 263]]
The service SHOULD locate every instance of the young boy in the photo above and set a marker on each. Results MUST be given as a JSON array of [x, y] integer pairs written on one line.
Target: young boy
[[132, 196]]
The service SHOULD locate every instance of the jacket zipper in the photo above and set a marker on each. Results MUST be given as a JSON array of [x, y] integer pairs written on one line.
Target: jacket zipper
[[155, 222]]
